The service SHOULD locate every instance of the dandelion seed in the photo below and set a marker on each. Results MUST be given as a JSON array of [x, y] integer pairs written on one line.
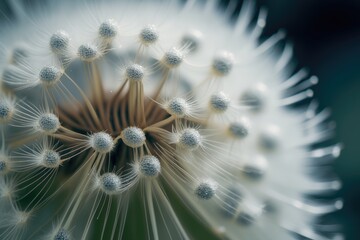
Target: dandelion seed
[[48, 123], [4, 168], [206, 190], [62, 235], [133, 137], [219, 102], [101, 142], [149, 35], [108, 29], [59, 42], [88, 52], [239, 129], [50, 75], [7, 109], [173, 58], [178, 107], [135, 72], [50, 159], [223, 64], [189, 139], [110, 183], [149, 166]]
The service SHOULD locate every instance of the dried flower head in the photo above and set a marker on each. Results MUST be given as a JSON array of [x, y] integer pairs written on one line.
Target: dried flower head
[[137, 106]]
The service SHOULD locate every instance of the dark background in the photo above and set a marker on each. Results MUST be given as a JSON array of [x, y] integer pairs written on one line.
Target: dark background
[[326, 38]]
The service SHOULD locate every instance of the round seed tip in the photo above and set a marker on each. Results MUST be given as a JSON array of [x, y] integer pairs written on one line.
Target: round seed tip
[[206, 190], [110, 183], [62, 234], [50, 75], [177, 107], [190, 139], [59, 42], [222, 64], [150, 166], [108, 29], [135, 73], [173, 58], [149, 35], [6, 110], [88, 52], [219, 102], [3, 166], [239, 129], [48, 123], [50, 159], [101, 142], [133, 137]]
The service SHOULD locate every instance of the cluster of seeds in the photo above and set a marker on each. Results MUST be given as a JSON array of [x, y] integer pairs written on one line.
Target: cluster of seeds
[[165, 124]]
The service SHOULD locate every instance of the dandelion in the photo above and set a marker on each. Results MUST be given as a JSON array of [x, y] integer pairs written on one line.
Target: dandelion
[[114, 112]]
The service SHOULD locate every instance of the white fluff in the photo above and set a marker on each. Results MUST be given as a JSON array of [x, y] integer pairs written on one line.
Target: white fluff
[[246, 156]]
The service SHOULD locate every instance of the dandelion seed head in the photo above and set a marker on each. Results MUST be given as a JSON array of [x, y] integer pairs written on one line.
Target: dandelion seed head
[[219, 102], [50, 75], [108, 29], [190, 139], [110, 183], [88, 52], [178, 107], [115, 121], [149, 166], [3, 166], [48, 123], [206, 190], [173, 58], [149, 35], [7, 109], [135, 72], [50, 158], [223, 63], [59, 42], [101, 142], [239, 129], [133, 137], [62, 234]]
